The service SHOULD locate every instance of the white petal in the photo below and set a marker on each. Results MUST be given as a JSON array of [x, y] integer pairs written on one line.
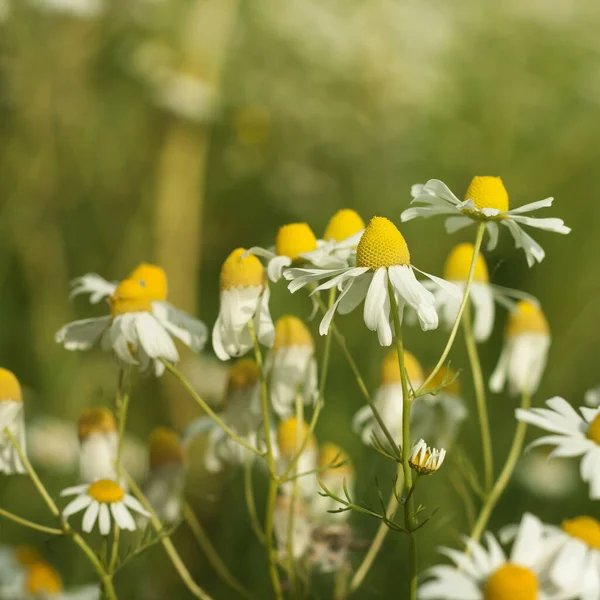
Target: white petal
[[454, 224], [154, 339], [77, 489], [375, 300], [532, 206], [77, 505], [122, 516], [90, 516], [92, 284], [82, 335], [191, 331], [494, 232], [104, 520], [134, 504], [528, 543], [276, 265]]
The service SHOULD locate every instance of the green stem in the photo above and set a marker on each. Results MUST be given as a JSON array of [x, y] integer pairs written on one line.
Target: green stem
[[463, 304], [21, 521], [479, 386], [505, 475], [249, 494]]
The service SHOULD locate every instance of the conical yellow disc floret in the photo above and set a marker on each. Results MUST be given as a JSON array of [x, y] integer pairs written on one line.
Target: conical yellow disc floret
[[10, 389], [243, 375], [42, 580], [129, 297], [106, 491], [488, 192], [343, 224], [288, 436], [295, 239], [165, 448], [291, 331], [95, 420], [332, 454], [593, 432], [241, 272], [458, 264], [381, 245], [526, 317], [153, 279], [511, 582], [390, 370], [586, 529], [445, 374]]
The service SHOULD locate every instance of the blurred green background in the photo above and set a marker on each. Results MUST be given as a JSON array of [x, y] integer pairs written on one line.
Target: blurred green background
[[175, 131]]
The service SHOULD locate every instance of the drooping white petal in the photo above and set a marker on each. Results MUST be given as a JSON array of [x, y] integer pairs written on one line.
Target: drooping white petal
[[454, 224], [83, 334], [191, 331], [92, 284], [276, 265], [375, 299], [154, 339]]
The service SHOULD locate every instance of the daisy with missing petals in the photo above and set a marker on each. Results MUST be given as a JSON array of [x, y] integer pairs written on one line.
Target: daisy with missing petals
[[388, 399], [100, 500], [244, 298], [11, 418], [481, 574], [425, 460], [486, 200], [525, 351], [382, 257], [573, 435], [291, 366]]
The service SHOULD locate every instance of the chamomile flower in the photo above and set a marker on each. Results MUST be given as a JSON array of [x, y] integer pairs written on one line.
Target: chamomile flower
[[482, 574], [98, 440], [525, 351], [291, 365], [388, 399], [100, 500], [11, 418], [191, 331], [486, 200], [424, 459], [572, 435], [382, 258], [244, 299]]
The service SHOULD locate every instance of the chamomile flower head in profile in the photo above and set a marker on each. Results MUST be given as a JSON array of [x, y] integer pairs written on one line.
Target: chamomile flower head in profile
[[302, 526], [424, 459], [103, 501], [12, 418], [525, 350], [388, 399], [382, 264], [291, 365], [486, 199], [244, 299], [98, 441], [293, 240], [488, 574], [166, 477], [438, 416], [571, 435]]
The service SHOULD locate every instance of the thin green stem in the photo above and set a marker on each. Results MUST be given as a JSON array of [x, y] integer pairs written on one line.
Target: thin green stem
[[26, 523], [249, 494], [208, 410], [271, 558], [210, 551], [479, 386], [505, 474], [463, 304]]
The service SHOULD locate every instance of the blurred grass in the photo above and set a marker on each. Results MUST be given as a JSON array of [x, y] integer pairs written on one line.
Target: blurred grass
[[322, 107]]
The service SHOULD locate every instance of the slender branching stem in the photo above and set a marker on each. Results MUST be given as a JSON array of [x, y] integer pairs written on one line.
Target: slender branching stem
[[26, 523], [249, 494]]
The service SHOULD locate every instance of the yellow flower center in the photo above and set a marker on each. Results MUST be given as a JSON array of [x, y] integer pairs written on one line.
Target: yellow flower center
[[586, 529], [526, 318], [95, 420], [418, 463], [27, 555], [445, 375], [593, 432], [43, 579], [381, 245], [488, 192], [152, 278], [332, 454], [130, 296], [288, 436], [343, 224], [458, 264], [241, 272], [295, 239], [390, 370], [291, 331], [165, 448], [511, 582], [106, 491], [10, 389], [243, 375]]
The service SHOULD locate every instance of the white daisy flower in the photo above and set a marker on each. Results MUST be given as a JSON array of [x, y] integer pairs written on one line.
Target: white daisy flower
[[165, 482], [486, 200], [11, 418], [337, 471], [98, 440], [100, 500], [482, 574], [291, 366], [388, 399], [382, 256], [244, 298], [438, 417], [525, 351], [303, 527], [573, 435], [424, 459]]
